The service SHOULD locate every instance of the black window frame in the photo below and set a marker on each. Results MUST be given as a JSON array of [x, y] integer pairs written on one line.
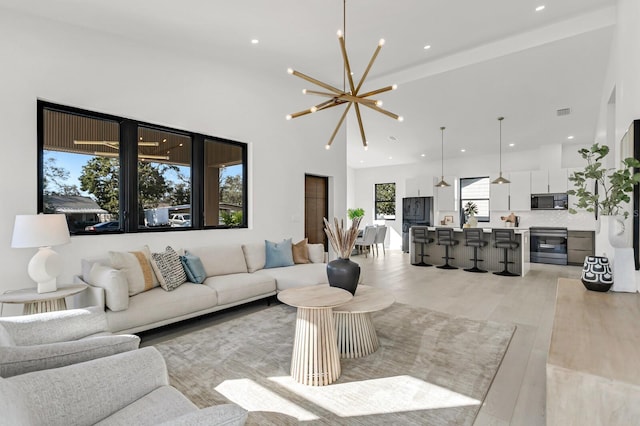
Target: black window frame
[[483, 219], [376, 201], [128, 156]]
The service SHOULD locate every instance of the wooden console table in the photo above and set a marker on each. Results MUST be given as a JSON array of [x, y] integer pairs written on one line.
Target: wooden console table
[[593, 373]]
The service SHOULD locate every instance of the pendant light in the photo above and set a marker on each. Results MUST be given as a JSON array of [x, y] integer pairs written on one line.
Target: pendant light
[[500, 180], [442, 183]]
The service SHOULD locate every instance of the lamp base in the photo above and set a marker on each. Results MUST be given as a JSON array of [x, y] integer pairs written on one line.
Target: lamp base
[[47, 286]]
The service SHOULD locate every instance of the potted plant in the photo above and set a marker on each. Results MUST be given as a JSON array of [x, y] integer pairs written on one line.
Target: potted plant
[[355, 213], [470, 210], [342, 272], [609, 201]]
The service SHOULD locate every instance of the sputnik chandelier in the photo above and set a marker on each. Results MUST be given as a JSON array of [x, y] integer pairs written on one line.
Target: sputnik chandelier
[[353, 97]]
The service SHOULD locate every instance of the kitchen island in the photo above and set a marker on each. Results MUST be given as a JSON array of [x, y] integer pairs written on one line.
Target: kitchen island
[[463, 255]]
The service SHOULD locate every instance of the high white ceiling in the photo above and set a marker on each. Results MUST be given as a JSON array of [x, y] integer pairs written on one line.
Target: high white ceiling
[[487, 58]]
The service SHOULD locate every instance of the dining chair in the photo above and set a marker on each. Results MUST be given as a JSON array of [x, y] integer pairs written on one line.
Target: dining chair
[[381, 233], [367, 239]]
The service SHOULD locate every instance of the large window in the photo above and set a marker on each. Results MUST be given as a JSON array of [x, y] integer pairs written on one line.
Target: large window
[[111, 174], [385, 201], [475, 190]]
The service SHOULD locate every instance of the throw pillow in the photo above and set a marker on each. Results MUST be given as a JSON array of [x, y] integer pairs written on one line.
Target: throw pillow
[[169, 269], [301, 252], [136, 265], [278, 254], [193, 267], [114, 283], [316, 253]]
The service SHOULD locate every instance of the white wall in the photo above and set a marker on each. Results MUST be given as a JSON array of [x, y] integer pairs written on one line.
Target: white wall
[[99, 72]]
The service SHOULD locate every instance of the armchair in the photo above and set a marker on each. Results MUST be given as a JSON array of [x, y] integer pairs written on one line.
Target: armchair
[[55, 339], [130, 388]]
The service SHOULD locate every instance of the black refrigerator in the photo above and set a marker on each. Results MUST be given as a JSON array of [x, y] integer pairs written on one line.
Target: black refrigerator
[[416, 211]]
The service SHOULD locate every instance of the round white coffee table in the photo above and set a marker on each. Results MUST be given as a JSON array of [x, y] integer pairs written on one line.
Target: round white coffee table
[[354, 327], [35, 302], [315, 360]]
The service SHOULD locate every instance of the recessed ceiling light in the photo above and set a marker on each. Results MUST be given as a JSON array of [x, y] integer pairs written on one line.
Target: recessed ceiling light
[[512, 144], [570, 137], [423, 155], [427, 47], [390, 158], [361, 161], [463, 150], [540, 8], [255, 41]]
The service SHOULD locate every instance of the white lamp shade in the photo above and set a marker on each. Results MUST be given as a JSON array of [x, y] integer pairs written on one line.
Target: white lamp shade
[[40, 230]]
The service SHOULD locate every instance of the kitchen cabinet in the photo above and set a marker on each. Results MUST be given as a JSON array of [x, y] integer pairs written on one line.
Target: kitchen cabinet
[[419, 186], [549, 181], [446, 198], [520, 191], [498, 194], [579, 245]]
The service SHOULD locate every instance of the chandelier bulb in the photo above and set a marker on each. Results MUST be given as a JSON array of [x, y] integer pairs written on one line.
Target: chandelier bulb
[[290, 70], [381, 42], [304, 91], [288, 117], [378, 103], [401, 119], [313, 109], [394, 87], [339, 33], [366, 147], [327, 147]]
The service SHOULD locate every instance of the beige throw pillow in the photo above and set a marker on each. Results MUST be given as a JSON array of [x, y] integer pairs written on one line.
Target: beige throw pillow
[[136, 266], [300, 252]]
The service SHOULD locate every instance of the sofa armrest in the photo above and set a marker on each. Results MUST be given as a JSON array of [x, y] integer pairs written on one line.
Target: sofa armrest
[[16, 360], [219, 415], [92, 296], [57, 326], [88, 392]]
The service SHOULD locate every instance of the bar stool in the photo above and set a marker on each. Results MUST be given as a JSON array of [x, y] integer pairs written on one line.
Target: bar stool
[[420, 237], [444, 236], [505, 239], [473, 237]]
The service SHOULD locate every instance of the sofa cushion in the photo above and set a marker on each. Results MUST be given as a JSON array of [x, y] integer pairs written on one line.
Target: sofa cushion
[[137, 267], [114, 283], [297, 275], [158, 305], [168, 269], [316, 253], [163, 403], [300, 252], [221, 260], [219, 415], [278, 254], [254, 256], [5, 337], [13, 405], [235, 287], [193, 268]]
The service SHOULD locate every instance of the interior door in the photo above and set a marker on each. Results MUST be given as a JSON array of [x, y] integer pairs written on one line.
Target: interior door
[[316, 207]]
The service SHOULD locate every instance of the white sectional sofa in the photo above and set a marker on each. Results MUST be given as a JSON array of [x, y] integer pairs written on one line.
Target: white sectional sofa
[[235, 274]]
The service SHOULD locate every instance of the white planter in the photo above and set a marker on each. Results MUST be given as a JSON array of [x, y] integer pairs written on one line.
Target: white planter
[[612, 241]]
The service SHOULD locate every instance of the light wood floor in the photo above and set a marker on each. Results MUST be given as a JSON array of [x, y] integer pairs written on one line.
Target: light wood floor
[[517, 395]]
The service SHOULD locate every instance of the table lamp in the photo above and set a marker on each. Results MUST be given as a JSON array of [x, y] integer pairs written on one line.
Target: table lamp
[[43, 231]]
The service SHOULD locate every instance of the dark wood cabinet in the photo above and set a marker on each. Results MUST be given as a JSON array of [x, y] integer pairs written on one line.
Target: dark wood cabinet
[[579, 245]]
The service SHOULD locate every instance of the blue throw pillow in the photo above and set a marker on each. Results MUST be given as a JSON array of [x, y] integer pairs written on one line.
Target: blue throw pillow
[[278, 254], [193, 268]]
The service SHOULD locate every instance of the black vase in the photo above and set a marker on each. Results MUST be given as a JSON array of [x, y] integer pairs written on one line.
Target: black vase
[[343, 273], [596, 273]]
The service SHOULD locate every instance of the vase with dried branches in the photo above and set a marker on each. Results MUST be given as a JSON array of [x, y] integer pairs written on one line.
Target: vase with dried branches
[[342, 272]]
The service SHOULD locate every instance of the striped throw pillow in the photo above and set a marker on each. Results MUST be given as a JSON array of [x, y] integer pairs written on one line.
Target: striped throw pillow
[[137, 268]]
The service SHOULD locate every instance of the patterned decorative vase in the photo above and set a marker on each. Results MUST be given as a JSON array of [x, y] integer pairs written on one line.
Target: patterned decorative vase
[[343, 273], [596, 273]]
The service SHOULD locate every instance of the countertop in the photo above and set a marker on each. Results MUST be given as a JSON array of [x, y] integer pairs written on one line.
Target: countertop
[[485, 230]]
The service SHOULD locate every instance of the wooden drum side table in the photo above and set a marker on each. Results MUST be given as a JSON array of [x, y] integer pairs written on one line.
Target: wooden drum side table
[[315, 360], [35, 302], [354, 327]]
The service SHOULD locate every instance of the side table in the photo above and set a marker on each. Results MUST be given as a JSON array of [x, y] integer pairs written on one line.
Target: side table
[[354, 327], [315, 360], [35, 302]]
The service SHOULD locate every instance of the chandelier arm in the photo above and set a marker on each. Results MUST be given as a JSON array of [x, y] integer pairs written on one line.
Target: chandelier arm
[[383, 111], [346, 62], [335, 132], [356, 99], [315, 92], [359, 117], [366, 71], [316, 82], [375, 92]]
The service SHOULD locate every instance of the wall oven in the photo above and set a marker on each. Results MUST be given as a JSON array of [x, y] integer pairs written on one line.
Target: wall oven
[[548, 245]]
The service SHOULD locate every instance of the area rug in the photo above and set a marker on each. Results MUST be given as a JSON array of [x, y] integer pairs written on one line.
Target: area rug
[[431, 369]]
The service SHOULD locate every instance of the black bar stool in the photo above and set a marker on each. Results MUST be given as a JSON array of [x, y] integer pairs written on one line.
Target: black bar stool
[[505, 239], [474, 237], [444, 236], [421, 237]]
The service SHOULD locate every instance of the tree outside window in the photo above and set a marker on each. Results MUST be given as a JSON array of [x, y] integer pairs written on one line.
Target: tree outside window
[[385, 201]]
